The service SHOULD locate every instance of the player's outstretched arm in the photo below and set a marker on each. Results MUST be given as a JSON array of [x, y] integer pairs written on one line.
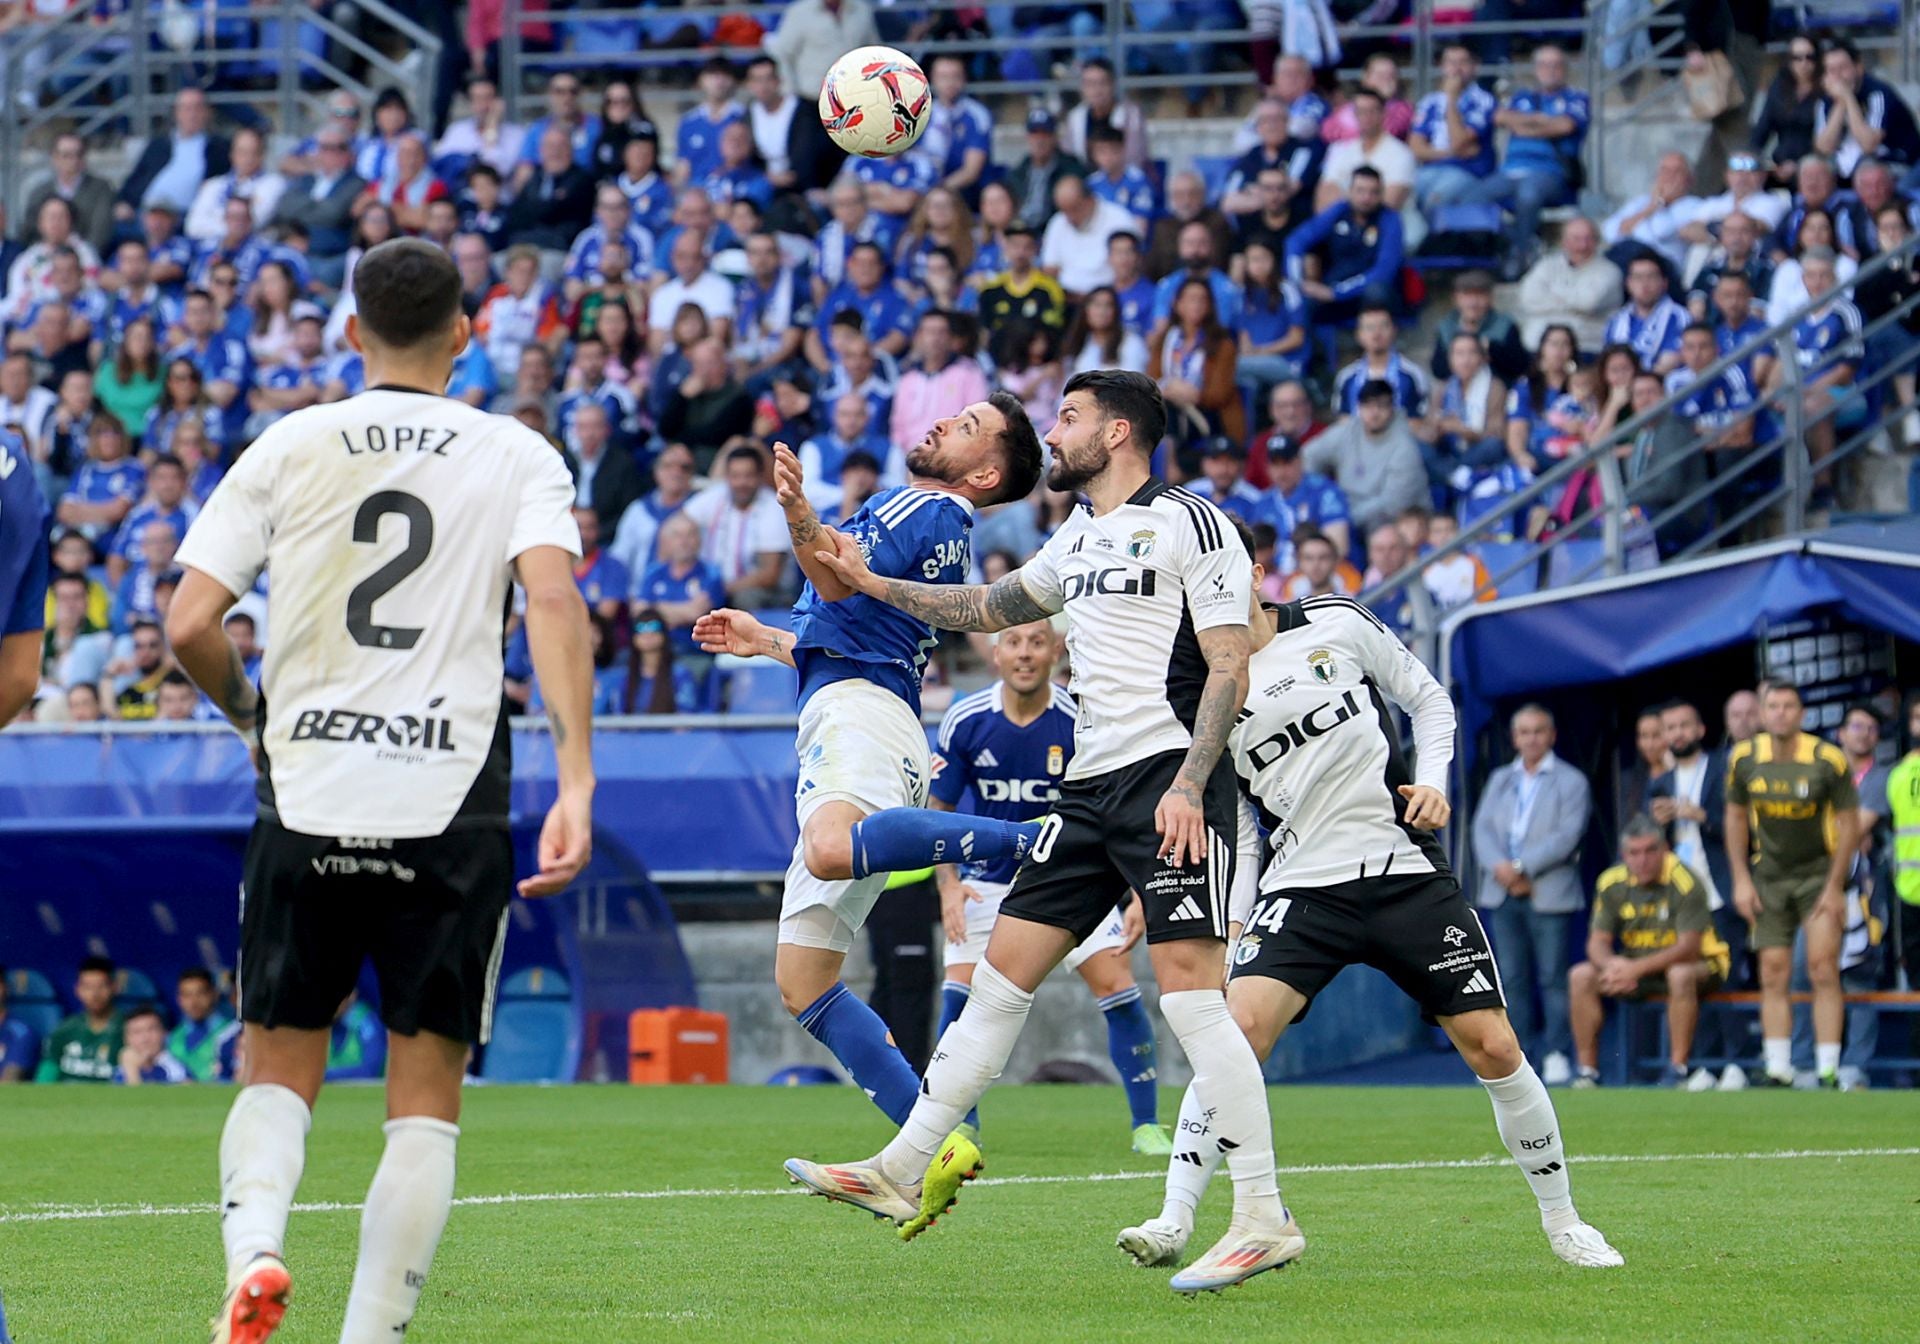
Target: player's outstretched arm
[[562, 649], [968, 606], [725, 630], [204, 651], [810, 535], [1181, 818]]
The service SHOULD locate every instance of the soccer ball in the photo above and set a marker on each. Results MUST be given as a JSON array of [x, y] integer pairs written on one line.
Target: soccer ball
[[874, 102]]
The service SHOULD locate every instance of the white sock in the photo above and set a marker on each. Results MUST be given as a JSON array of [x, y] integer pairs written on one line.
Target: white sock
[[970, 1055], [1523, 1113], [406, 1211], [1227, 1074], [1195, 1158], [1779, 1055], [262, 1153], [1826, 1057]]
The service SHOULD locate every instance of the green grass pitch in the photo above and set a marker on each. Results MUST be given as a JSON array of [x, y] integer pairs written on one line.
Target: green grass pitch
[[1745, 1243]]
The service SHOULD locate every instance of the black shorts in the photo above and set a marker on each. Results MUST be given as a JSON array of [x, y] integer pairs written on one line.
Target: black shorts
[[1418, 929], [430, 912], [1099, 840]]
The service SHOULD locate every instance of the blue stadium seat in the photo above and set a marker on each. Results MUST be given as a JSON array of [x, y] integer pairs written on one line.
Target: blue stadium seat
[[1461, 238], [1500, 556], [1576, 562], [32, 998], [134, 989], [1214, 170], [763, 688], [536, 1033]]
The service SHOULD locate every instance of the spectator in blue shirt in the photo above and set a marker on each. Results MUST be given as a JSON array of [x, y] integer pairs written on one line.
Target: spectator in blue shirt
[[1223, 463], [851, 223], [1545, 126], [225, 369], [1285, 144], [1137, 295], [143, 1056], [1271, 324], [1348, 256], [697, 142], [582, 128], [886, 315], [1197, 261], [738, 175], [1305, 498], [1114, 179], [612, 222], [107, 486], [681, 587], [654, 678], [1452, 134], [167, 502], [894, 185], [650, 194], [959, 134], [152, 556], [637, 531], [474, 380], [1380, 360], [1650, 322], [1828, 345], [603, 581], [822, 456]]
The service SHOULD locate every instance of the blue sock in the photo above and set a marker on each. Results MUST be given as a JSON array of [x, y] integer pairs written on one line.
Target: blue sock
[[902, 839], [858, 1039], [953, 997], [1130, 1043]]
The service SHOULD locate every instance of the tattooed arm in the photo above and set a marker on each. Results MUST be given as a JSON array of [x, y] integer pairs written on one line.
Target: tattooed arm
[[945, 606], [562, 649], [1181, 817], [206, 654], [810, 535]]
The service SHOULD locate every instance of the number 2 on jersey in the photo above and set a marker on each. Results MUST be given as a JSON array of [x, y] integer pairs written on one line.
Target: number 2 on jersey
[[366, 529]]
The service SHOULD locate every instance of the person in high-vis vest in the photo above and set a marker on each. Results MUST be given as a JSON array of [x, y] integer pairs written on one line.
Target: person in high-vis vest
[[1792, 829], [1903, 806]]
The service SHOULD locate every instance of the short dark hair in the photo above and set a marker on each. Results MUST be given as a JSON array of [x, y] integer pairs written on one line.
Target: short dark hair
[[1245, 533], [940, 56], [1097, 63], [1124, 235], [860, 459], [143, 1010], [65, 576], [1778, 684], [240, 617], [1375, 389], [405, 291], [1862, 707], [166, 460], [197, 973], [1123, 395], [104, 965], [1019, 449], [177, 678], [1365, 170], [764, 59], [1842, 44], [1692, 327], [480, 170], [1103, 134], [1364, 91], [746, 453]]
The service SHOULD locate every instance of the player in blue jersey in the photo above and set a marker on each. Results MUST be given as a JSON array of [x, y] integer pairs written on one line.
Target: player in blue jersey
[[24, 562], [1008, 747], [861, 746]]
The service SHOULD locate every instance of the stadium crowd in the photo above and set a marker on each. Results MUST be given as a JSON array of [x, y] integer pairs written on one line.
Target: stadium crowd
[[664, 307]]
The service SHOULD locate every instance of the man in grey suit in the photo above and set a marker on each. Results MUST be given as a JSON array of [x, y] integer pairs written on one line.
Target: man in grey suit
[[90, 196], [1526, 843], [322, 201]]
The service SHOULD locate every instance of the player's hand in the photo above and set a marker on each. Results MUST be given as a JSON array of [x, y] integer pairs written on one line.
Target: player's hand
[[1832, 905], [789, 481], [1746, 898], [566, 843], [953, 910], [1133, 924], [1663, 810], [725, 630], [1427, 807], [850, 565], [1182, 826], [1617, 978]]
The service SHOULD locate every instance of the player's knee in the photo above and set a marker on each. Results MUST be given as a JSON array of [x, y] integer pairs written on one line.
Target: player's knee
[[1823, 972], [1583, 979], [828, 853], [1682, 980], [1258, 1022], [1487, 1043], [1107, 973]]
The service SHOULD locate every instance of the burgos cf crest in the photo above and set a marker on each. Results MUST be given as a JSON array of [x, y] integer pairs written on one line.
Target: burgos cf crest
[[1320, 663], [1140, 544], [906, 116]]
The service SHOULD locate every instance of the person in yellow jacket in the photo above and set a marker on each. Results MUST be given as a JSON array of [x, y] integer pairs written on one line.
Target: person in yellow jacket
[[1902, 805]]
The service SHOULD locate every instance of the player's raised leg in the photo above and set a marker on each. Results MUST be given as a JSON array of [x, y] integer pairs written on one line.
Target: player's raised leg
[[1523, 1112]]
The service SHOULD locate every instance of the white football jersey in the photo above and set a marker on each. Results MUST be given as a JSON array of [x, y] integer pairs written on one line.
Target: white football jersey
[[390, 521], [1318, 752], [1137, 585]]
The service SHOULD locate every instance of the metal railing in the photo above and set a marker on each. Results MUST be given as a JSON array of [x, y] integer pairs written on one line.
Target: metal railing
[[1739, 480], [121, 71]]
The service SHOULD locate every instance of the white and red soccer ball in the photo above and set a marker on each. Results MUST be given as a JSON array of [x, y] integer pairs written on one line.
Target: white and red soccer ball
[[874, 102]]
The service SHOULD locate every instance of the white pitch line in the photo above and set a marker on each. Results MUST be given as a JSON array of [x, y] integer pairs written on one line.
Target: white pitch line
[[64, 1213]]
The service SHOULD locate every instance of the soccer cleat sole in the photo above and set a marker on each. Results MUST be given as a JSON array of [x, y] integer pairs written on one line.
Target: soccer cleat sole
[[1222, 1287], [256, 1306], [913, 1227]]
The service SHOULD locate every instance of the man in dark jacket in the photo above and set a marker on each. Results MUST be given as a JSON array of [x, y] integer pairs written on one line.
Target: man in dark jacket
[[557, 201], [1031, 181], [709, 408], [90, 196], [612, 479], [172, 167], [1690, 800], [322, 203]]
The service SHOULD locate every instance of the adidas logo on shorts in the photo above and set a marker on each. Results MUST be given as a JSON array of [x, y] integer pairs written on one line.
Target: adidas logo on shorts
[[1477, 983], [1187, 909]]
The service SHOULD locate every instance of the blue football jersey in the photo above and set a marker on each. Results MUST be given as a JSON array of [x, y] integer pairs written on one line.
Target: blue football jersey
[[905, 533], [23, 541], [1012, 772]]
